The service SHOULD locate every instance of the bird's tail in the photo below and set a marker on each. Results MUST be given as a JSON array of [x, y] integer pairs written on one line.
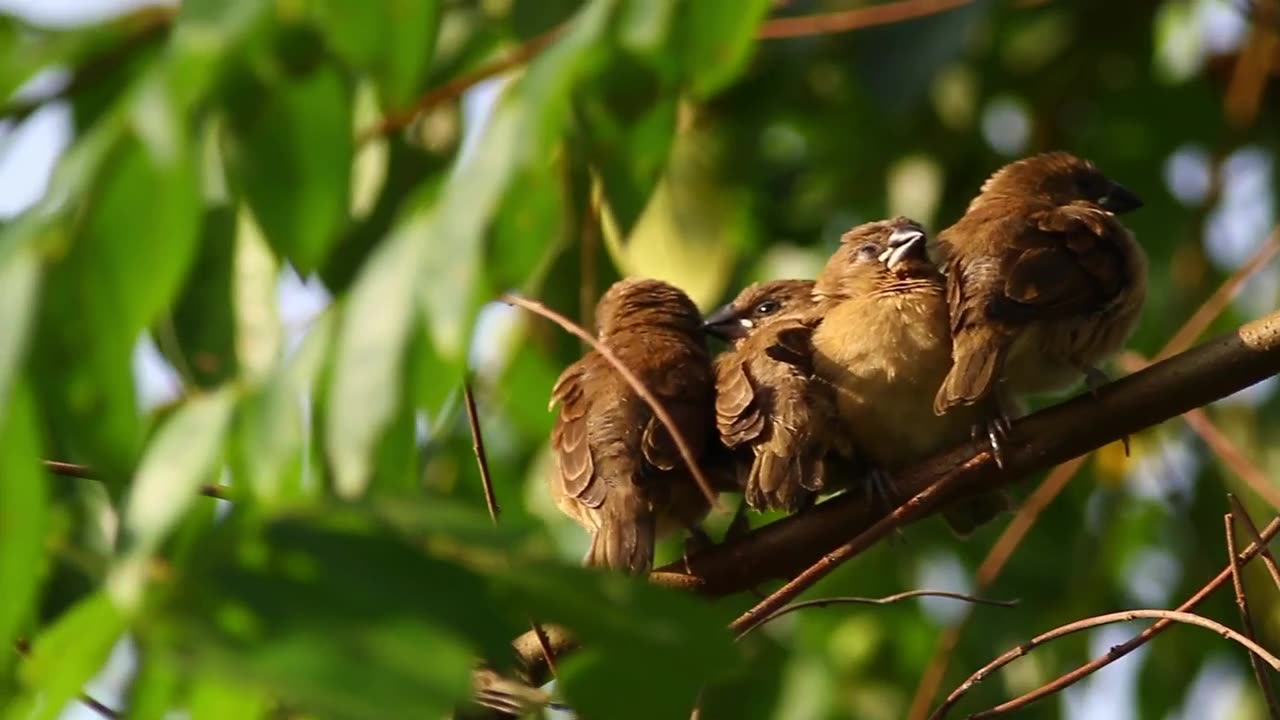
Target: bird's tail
[[779, 482], [967, 516], [626, 535], [975, 366]]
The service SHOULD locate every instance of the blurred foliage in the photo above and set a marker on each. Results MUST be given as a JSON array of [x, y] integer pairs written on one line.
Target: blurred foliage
[[220, 149]]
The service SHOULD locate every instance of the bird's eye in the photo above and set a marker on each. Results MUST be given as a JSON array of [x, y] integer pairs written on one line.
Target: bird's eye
[[768, 307], [870, 250]]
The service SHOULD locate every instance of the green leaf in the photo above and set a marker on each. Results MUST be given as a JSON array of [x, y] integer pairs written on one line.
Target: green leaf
[[198, 337], [523, 126], [156, 686], [205, 33], [23, 517], [716, 41], [627, 137], [394, 636], [751, 691], [629, 629], [255, 276], [125, 264], [66, 656], [19, 283], [392, 40], [365, 387], [182, 455], [216, 699], [292, 156], [271, 428]]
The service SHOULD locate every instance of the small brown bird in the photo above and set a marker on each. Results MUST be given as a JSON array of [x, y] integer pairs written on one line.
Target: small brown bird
[[884, 345], [618, 472], [769, 405], [1044, 283]]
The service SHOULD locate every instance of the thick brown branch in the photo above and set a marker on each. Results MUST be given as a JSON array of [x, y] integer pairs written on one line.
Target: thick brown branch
[[1164, 390]]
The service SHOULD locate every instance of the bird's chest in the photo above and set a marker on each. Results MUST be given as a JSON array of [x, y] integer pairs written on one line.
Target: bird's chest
[[885, 364]]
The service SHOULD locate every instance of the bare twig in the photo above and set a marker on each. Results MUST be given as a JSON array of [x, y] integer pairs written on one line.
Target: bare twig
[[1246, 619], [1213, 305], [1005, 545], [491, 499], [1167, 616], [477, 445], [887, 600], [1053, 485], [855, 19], [1268, 560], [665, 418], [820, 569], [84, 472], [454, 89], [1118, 651]]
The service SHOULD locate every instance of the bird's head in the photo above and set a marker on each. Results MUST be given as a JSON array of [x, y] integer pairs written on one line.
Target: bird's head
[[877, 256], [645, 302], [757, 306], [1062, 179]]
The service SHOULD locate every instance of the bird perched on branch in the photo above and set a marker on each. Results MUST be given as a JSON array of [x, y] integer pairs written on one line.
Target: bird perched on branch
[[884, 345], [618, 471], [1043, 283], [769, 406]]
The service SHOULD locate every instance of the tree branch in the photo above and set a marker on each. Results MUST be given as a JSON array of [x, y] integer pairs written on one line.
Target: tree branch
[[855, 19], [887, 600], [1162, 391], [1167, 616], [1246, 617], [84, 472], [1268, 559], [1115, 653]]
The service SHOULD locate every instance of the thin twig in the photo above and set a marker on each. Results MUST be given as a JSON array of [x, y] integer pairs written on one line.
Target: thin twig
[[1268, 559], [1053, 485], [1167, 616], [452, 90], [477, 445], [1005, 545], [491, 498], [1213, 305], [84, 472], [1118, 651], [686, 454], [820, 569], [855, 19], [1246, 619], [886, 600]]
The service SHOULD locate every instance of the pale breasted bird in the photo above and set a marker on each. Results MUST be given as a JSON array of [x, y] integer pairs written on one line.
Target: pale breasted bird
[[770, 408], [617, 470], [1043, 283], [884, 345]]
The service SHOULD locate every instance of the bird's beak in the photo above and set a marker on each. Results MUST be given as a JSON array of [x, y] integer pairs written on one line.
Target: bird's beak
[[726, 325], [905, 243], [1120, 200]]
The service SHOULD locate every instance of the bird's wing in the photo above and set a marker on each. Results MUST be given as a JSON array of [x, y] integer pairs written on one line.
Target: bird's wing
[[738, 416], [1062, 264], [570, 442]]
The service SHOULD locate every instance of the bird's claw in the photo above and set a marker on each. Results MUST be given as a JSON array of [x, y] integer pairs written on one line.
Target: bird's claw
[[997, 430], [1095, 379]]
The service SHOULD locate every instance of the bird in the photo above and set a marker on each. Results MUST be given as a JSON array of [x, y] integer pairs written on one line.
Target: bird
[[769, 406], [1043, 284], [884, 345], [617, 470]]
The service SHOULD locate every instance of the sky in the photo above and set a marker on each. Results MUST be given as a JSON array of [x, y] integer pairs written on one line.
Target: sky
[[1234, 229]]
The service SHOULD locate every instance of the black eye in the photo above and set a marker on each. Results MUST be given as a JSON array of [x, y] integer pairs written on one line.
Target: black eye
[[768, 307], [870, 250]]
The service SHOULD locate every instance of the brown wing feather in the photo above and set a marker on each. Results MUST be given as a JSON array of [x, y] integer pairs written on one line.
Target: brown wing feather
[[738, 415], [570, 442]]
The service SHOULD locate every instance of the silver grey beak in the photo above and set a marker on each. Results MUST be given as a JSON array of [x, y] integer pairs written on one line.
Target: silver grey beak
[[903, 243]]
